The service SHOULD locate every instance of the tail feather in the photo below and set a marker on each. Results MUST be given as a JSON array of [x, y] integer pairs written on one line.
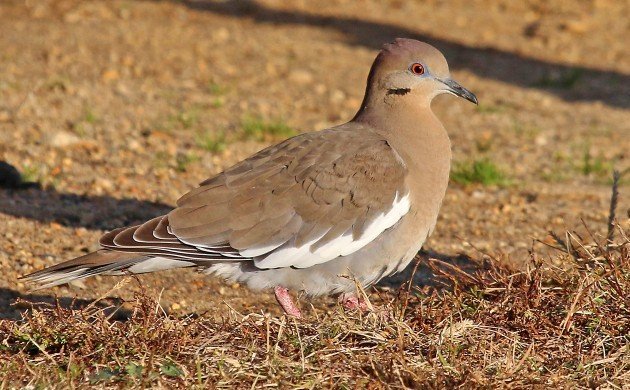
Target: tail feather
[[102, 262]]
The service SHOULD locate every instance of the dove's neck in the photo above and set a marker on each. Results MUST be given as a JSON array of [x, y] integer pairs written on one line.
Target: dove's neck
[[419, 138], [409, 127]]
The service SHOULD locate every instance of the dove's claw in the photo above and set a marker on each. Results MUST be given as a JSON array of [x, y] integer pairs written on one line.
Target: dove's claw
[[286, 302], [352, 302]]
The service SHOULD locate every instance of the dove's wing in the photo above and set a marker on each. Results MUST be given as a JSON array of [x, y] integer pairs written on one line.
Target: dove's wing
[[302, 202]]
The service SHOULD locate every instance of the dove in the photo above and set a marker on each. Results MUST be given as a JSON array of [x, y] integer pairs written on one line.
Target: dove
[[319, 212]]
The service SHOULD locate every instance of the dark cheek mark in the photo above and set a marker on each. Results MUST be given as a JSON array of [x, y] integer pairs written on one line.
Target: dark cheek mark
[[398, 91]]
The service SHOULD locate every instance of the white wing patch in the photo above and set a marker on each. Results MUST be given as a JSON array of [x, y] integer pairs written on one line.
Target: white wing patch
[[290, 255], [302, 257]]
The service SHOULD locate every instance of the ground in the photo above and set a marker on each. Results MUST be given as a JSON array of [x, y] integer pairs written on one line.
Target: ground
[[112, 110]]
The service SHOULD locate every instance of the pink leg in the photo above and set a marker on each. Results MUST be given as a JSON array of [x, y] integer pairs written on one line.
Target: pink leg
[[286, 302], [352, 302]]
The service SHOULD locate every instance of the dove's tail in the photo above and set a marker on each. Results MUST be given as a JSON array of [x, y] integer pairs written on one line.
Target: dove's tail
[[102, 262]]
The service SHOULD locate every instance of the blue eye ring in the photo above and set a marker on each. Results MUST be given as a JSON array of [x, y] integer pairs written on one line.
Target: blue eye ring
[[417, 68]]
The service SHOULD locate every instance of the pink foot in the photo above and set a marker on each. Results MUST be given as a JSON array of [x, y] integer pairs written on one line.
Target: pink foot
[[286, 302], [352, 302]]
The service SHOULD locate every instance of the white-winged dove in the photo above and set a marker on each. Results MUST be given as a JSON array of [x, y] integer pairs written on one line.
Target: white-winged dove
[[358, 199]]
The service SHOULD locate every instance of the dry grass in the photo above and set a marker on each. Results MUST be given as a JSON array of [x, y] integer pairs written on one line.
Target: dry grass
[[499, 327]]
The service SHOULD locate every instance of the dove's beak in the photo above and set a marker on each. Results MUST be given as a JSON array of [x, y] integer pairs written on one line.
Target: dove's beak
[[456, 89]]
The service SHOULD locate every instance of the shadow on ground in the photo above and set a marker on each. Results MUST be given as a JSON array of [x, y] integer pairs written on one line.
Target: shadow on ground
[[28, 200], [13, 304], [567, 82], [421, 269]]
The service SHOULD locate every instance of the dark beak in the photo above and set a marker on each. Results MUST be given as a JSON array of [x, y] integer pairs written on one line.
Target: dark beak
[[456, 89]]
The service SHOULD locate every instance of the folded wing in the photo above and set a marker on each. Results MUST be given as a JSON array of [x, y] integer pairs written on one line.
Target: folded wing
[[302, 202]]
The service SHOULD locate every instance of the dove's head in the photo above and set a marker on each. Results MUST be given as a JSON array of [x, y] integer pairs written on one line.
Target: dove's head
[[411, 71]]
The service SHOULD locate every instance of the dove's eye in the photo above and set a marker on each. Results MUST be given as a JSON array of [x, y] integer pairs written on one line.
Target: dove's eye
[[417, 68]]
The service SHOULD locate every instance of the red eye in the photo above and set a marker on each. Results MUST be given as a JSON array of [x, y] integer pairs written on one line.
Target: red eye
[[417, 68]]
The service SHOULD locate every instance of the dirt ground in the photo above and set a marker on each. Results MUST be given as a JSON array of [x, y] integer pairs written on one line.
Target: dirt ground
[[116, 108]]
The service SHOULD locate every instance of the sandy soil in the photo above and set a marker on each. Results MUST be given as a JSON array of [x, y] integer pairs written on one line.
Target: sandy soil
[[104, 104]]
